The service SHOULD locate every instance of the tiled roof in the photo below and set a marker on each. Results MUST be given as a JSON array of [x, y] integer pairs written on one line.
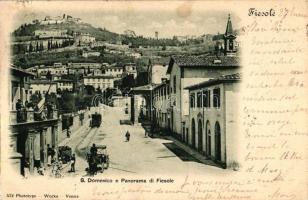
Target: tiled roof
[[160, 61], [14, 68], [99, 76], [206, 61], [42, 81], [143, 88], [63, 80], [221, 79]]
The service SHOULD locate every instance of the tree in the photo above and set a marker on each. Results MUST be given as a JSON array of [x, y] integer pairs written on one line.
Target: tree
[[37, 46], [90, 90], [41, 46], [30, 47]]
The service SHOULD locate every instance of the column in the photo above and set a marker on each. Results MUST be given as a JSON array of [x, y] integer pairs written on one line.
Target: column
[[43, 147], [54, 140], [30, 150]]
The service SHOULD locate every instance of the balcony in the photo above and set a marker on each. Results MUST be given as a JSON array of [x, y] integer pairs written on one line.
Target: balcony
[[29, 116]]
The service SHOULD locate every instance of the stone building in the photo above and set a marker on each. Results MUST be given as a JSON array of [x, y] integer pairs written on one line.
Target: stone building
[[213, 118], [130, 68], [189, 70], [42, 86], [185, 71], [30, 136], [103, 82], [161, 106], [157, 70]]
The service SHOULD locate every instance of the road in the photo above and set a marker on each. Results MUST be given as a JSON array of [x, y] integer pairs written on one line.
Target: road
[[141, 155]]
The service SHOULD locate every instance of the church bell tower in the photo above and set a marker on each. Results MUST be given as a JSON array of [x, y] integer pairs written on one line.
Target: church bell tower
[[229, 38]]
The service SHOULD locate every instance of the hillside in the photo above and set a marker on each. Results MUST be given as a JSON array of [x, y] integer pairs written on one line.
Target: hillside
[[26, 31]]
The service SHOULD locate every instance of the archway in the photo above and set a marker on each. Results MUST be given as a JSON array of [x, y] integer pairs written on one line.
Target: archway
[[208, 138], [217, 142], [200, 135], [193, 132]]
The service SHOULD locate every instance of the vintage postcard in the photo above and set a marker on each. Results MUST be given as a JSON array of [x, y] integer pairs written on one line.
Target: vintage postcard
[[177, 100]]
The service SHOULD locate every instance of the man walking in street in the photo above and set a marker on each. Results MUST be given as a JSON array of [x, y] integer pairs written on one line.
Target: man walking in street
[[73, 161], [127, 135]]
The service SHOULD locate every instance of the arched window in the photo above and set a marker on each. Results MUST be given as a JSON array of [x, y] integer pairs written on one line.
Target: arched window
[[193, 132], [217, 142], [208, 138], [200, 139]]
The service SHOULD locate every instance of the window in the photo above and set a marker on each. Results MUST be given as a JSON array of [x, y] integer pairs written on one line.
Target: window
[[206, 98], [174, 84], [199, 99], [192, 100], [216, 98]]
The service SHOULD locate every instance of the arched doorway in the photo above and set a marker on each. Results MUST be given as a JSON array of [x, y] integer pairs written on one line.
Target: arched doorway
[[208, 138], [200, 135], [217, 142], [193, 132]]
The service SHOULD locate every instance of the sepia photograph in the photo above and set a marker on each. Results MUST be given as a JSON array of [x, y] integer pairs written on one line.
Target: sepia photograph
[[197, 100], [85, 99]]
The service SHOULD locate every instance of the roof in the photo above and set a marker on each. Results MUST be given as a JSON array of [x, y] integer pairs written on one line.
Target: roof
[[99, 76], [222, 79], [229, 29], [218, 37], [161, 85], [63, 80], [203, 61], [19, 71], [42, 81], [143, 88], [159, 61]]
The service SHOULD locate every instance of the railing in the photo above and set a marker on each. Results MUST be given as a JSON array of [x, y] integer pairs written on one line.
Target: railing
[[28, 116]]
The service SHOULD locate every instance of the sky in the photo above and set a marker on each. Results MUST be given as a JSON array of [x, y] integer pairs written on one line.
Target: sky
[[178, 21]]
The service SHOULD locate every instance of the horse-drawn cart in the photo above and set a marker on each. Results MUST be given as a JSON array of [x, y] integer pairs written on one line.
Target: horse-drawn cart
[[98, 159], [65, 154]]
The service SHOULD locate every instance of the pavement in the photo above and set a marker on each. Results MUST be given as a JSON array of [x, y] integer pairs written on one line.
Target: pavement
[[142, 155]]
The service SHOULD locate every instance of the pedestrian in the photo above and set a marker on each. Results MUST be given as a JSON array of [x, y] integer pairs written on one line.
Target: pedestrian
[[19, 105], [49, 152], [127, 135], [73, 161], [93, 150], [53, 154], [68, 133], [145, 133]]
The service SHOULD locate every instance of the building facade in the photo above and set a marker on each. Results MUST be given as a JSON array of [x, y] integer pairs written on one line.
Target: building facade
[[65, 84], [30, 136], [185, 71], [130, 68], [161, 106], [42, 86], [103, 82], [213, 118], [157, 70]]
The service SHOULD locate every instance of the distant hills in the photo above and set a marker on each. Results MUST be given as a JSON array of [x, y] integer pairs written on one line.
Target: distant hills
[[26, 32]]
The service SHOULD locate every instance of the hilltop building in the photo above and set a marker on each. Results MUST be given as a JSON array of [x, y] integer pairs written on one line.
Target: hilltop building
[[130, 33], [83, 38], [58, 20]]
